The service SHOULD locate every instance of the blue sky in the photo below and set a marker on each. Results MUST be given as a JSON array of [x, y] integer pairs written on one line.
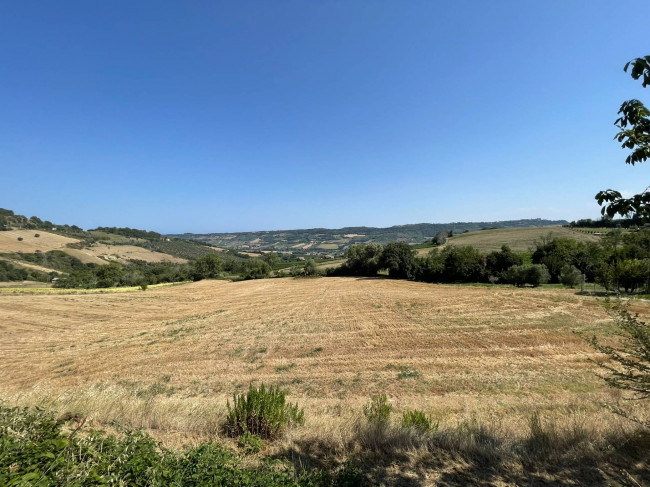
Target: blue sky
[[207, 116]]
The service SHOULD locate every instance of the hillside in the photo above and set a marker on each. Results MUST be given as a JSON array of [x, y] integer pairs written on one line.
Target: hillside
[[21, 237], [518, 239], [322, 240]]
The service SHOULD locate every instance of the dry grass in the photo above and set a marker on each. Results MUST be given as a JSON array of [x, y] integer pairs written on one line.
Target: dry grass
[[121, 253], [31, 287], [519, 239], [167, 359], [13, 285], [45, 242], [95, 254]]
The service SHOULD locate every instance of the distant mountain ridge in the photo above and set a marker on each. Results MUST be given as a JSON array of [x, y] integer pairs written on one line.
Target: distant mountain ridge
[[324, 240]]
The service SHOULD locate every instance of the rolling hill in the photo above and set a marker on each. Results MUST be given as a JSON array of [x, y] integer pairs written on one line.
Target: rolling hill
[[518, 239], [322, 240], [21, 236]]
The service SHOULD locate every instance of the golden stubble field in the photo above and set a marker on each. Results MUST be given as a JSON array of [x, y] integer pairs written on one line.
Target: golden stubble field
[[167, 359]]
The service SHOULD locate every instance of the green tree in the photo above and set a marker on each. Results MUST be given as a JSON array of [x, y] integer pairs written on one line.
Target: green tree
[[634, 133], [310, 269], [520, 275], [555, 254], [430, 268], [440, 238], [207, 267], [497, 262], [271, 258], [109, 275], [255, 269], [399, 259], [463, 264], [363, 260], [633, 273], [570, 276]]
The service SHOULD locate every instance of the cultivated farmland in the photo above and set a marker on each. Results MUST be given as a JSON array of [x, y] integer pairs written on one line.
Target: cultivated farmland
[[333, 342]]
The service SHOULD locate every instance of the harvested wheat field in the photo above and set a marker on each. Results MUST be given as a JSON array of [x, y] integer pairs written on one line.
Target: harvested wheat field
[[167, 359]]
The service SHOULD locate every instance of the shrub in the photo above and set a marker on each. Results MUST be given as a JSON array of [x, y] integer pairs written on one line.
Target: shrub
[[418, 420], [255, 269], [378, 410], [570, 276], [20, 239], [36, 450], [520, 275], [143, 287], [629, 366], [497, 262], [37, 235], [263, 412], [310, 269], [208, 266], [250, 442]]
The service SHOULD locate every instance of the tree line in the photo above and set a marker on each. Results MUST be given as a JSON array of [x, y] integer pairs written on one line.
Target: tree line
[[140, 273], [621, 260]]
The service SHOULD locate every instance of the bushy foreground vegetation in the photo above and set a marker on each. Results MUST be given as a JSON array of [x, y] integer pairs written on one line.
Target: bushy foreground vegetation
[[262, 412], [620, 261], [36, 449]]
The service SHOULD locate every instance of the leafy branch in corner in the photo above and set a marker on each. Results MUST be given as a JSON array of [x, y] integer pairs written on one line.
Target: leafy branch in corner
[[634, 134]]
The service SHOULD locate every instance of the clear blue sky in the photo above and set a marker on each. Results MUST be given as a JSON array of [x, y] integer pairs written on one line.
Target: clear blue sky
[[203, 116]]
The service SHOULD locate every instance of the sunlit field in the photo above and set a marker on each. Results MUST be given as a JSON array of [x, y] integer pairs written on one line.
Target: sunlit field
[[167, 359]]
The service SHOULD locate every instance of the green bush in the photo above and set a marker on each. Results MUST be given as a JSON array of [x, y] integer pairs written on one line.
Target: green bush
[[310, 269], [263, 412], [255, 269], [570, 276], [520, 275], [418, 420], [378, 410], [250, 443], [208, 266], [35, 450]]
